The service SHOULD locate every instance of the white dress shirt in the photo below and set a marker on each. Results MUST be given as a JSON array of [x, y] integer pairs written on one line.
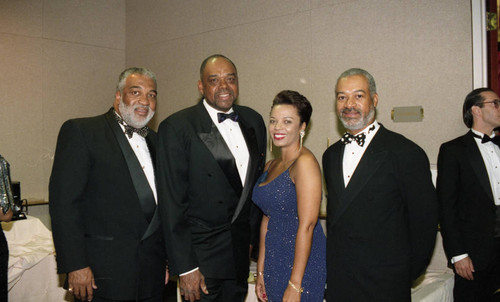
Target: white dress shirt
[[353, 152]]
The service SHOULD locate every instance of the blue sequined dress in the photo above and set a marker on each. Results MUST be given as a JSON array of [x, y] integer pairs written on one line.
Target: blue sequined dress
[[278, 200]]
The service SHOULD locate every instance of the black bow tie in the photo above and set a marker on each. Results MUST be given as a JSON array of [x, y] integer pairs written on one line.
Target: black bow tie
[[347, 138], [486, 138], [129, 130], [223, 116]]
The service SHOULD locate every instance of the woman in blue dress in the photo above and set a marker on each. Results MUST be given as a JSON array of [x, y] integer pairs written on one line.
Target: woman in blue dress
[[292, 255]]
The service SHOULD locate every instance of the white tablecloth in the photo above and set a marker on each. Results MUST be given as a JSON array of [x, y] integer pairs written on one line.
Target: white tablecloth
[[435, 287], [32, 274]]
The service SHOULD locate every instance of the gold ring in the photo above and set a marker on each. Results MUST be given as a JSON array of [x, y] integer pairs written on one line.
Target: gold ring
[[70, 289]]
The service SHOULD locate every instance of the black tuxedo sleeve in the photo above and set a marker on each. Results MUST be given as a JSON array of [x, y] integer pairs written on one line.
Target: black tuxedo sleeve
[[67, 184], [422, 204], [173, 184], [448, 188]]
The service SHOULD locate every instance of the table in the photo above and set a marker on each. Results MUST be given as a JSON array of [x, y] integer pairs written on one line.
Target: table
[[32, 274], [435, 287]]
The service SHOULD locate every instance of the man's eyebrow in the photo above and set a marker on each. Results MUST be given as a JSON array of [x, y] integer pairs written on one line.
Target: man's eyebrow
[[359, 90], [226, 74]]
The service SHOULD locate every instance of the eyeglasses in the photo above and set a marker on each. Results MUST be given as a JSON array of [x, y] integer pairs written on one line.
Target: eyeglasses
[[495, 103]]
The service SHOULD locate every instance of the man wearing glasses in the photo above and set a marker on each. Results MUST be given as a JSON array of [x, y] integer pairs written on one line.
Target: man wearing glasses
[[468, 186]]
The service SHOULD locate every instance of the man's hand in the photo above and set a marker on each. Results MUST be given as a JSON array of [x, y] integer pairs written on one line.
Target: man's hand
[[465, 268], [167, 275], [190, 285], [81, 284]]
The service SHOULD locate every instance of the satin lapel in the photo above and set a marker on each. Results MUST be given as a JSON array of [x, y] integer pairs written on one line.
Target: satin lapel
[[141, 185], [214, 141], [153, 225], [338, 175], [152, 149], [253, 162], [335, 178], [477, 163], [155, 221], [367, 167]]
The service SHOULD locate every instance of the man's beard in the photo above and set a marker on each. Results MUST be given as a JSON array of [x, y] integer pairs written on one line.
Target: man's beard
[[363, 122], [128, 114]]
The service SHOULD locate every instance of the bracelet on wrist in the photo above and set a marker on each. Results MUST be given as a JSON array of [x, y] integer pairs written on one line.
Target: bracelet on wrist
[[260, 273], [298, 289]]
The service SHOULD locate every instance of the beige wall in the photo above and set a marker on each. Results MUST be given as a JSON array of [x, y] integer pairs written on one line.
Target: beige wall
[[418, 51], [60, 59]]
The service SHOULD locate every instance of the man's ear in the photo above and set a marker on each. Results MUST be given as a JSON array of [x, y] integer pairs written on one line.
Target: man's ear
[[200, 87], [117, 101], [476, 110], [375, 100]]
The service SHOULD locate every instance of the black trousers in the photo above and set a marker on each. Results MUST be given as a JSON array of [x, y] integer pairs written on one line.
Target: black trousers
[[484, 285]]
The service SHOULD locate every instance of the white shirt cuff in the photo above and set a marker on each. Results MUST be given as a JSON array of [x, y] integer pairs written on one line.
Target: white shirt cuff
[[183, 274], [458, 258]]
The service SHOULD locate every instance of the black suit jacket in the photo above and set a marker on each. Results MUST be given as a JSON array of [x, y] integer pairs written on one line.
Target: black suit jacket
[[381, 227], [467, 208], [204, 207], [103, 212]]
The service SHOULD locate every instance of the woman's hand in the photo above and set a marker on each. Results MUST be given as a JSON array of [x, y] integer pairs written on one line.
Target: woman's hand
[[260, 288], [291, 295]]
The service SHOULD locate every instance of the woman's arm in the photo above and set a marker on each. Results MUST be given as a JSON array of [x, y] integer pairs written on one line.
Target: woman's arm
[[260, 289], [306, 175]]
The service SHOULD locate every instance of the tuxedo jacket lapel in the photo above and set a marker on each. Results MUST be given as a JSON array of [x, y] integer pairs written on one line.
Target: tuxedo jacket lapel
[[141, 185], [367, 167], [251, 142], [477, 163], [213, 140], [155, 221], [152, 150], [338, 175]]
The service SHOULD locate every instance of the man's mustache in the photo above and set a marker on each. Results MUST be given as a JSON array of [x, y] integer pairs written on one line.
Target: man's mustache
[[349, 110], [224, 91]]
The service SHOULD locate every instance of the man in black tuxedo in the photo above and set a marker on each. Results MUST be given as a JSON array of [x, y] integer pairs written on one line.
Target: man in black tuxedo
[[209, 158], [468, 186], [102, 199], [382, 206]]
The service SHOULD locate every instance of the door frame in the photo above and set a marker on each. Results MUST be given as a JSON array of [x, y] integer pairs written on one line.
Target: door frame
[[479, 44]]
